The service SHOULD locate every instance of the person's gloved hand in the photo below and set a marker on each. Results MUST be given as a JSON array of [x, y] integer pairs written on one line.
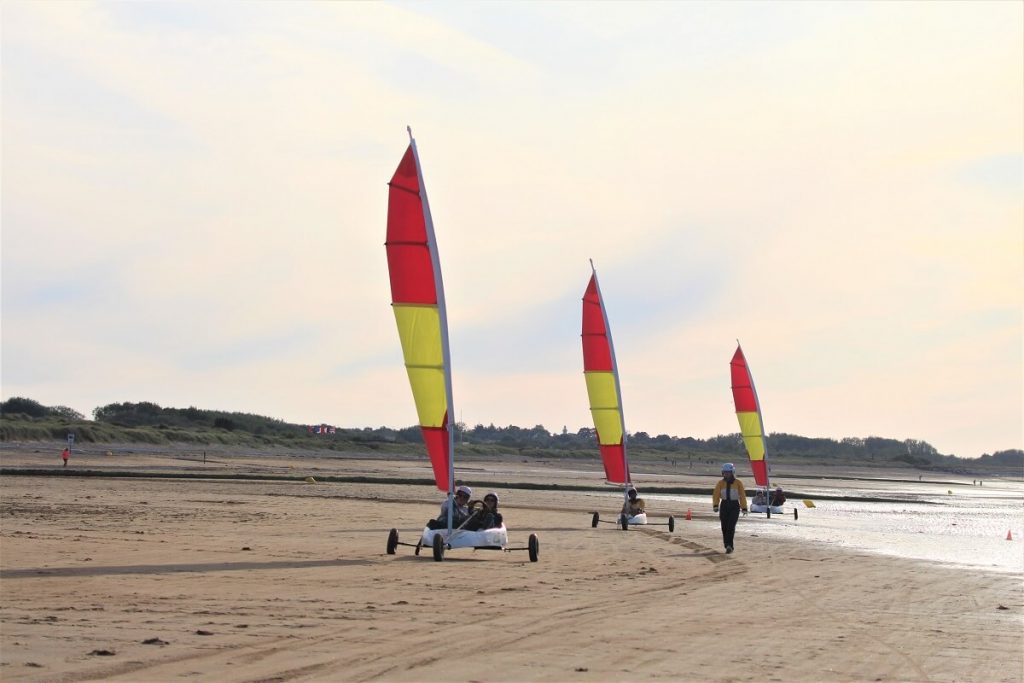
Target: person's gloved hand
[[716, 509], [744, 513]]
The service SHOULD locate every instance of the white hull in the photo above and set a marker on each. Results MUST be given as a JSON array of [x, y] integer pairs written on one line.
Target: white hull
[[460, 538], [776, 509], [638, 519]]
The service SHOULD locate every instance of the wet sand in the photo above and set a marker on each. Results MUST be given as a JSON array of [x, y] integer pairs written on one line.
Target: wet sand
[[172, 579]]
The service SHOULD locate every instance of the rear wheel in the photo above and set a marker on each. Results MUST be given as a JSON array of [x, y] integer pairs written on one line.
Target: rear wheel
[[596, 518], [392, 541], [625, 522], [769, 512], [438, 548], [671, 523], [534, 547]]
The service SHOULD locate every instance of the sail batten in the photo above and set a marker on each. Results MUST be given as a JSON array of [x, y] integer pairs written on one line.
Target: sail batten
[[603, 389], [748, 414], [417, 300]]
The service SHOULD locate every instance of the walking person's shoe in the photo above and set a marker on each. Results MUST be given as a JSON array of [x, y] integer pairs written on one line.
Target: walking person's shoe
[[728, 549]]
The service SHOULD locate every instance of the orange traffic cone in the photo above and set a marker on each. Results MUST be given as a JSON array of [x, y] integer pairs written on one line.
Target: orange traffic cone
[[689, 514], [1009, 535]]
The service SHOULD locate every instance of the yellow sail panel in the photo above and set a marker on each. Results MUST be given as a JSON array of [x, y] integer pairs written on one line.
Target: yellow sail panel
[[753, 439], [750, 424], [755, 447], [604, 407], [429, 393], [419, 328]]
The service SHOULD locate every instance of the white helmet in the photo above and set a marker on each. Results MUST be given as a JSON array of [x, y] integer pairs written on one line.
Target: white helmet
[[728, 467]]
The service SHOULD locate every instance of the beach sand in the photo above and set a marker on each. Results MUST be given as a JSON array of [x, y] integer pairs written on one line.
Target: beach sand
[[166, 580]]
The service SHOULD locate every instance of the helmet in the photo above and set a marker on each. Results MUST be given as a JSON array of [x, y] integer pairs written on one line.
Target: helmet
[[492, 494], [465, 489], [631, 492], [728, 467]]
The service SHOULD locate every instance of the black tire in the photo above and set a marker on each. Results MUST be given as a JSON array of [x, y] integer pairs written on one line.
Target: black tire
[[769, 512], [419, 544], [534, 547], [392, 541], [671, 523], [796, 515], [596, 518], [625, 522], [438, 548]]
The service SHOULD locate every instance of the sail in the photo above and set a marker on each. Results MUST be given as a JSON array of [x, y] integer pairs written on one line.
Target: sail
[[602, 375], [417, 296], [748, 412]]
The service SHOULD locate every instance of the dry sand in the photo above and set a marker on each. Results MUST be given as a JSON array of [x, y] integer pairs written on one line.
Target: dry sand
[[169, 580]]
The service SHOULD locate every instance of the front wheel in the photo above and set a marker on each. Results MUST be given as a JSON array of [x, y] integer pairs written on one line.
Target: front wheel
[[392, 541], [438, 548], [534, 547], [625, 522], [595, 519], [671, 523]]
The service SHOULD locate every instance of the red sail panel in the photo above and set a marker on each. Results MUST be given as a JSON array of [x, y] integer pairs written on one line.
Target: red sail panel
[[614, 459], [415, 305], [760, 469], [742, 384], [597, 352], [409, 262], [436, 440]]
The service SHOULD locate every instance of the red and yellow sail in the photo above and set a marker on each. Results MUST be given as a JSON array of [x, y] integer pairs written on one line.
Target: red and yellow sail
[[748, 412], [417, 296], [602, 375]]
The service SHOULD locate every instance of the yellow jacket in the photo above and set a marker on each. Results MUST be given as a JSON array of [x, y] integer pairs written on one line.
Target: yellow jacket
[[733, 492], [634, 507]]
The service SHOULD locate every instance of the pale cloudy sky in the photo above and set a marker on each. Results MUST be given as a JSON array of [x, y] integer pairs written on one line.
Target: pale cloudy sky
[[194, 200]]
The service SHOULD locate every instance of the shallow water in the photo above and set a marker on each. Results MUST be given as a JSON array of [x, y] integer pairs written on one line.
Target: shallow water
[[957, 524]]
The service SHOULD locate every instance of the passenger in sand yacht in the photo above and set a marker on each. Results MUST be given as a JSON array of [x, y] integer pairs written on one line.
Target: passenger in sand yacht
[[486, 516], [634, 505]]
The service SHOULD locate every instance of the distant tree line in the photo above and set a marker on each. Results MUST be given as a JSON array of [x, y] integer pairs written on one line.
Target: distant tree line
[[26, 406], [871, 449]]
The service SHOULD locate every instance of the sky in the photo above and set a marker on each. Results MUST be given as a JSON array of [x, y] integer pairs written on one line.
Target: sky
[[194, 201]]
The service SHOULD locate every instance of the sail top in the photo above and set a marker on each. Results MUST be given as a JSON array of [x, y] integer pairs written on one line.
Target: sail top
[[603, 389], [748, 413]]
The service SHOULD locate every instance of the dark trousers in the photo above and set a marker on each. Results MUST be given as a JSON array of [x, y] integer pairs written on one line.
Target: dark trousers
[[729, 514]]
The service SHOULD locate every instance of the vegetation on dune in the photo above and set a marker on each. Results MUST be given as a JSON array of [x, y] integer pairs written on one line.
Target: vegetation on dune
[[23, 419]]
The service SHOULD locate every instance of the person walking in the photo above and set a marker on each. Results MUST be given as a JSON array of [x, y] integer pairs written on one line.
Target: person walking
[[65, 454], [729, 499]]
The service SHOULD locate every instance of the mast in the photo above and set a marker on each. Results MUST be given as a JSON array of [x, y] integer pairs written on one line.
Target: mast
[[618, 385], [604, 391], [748, 405], [764, 436], [442, 312]]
